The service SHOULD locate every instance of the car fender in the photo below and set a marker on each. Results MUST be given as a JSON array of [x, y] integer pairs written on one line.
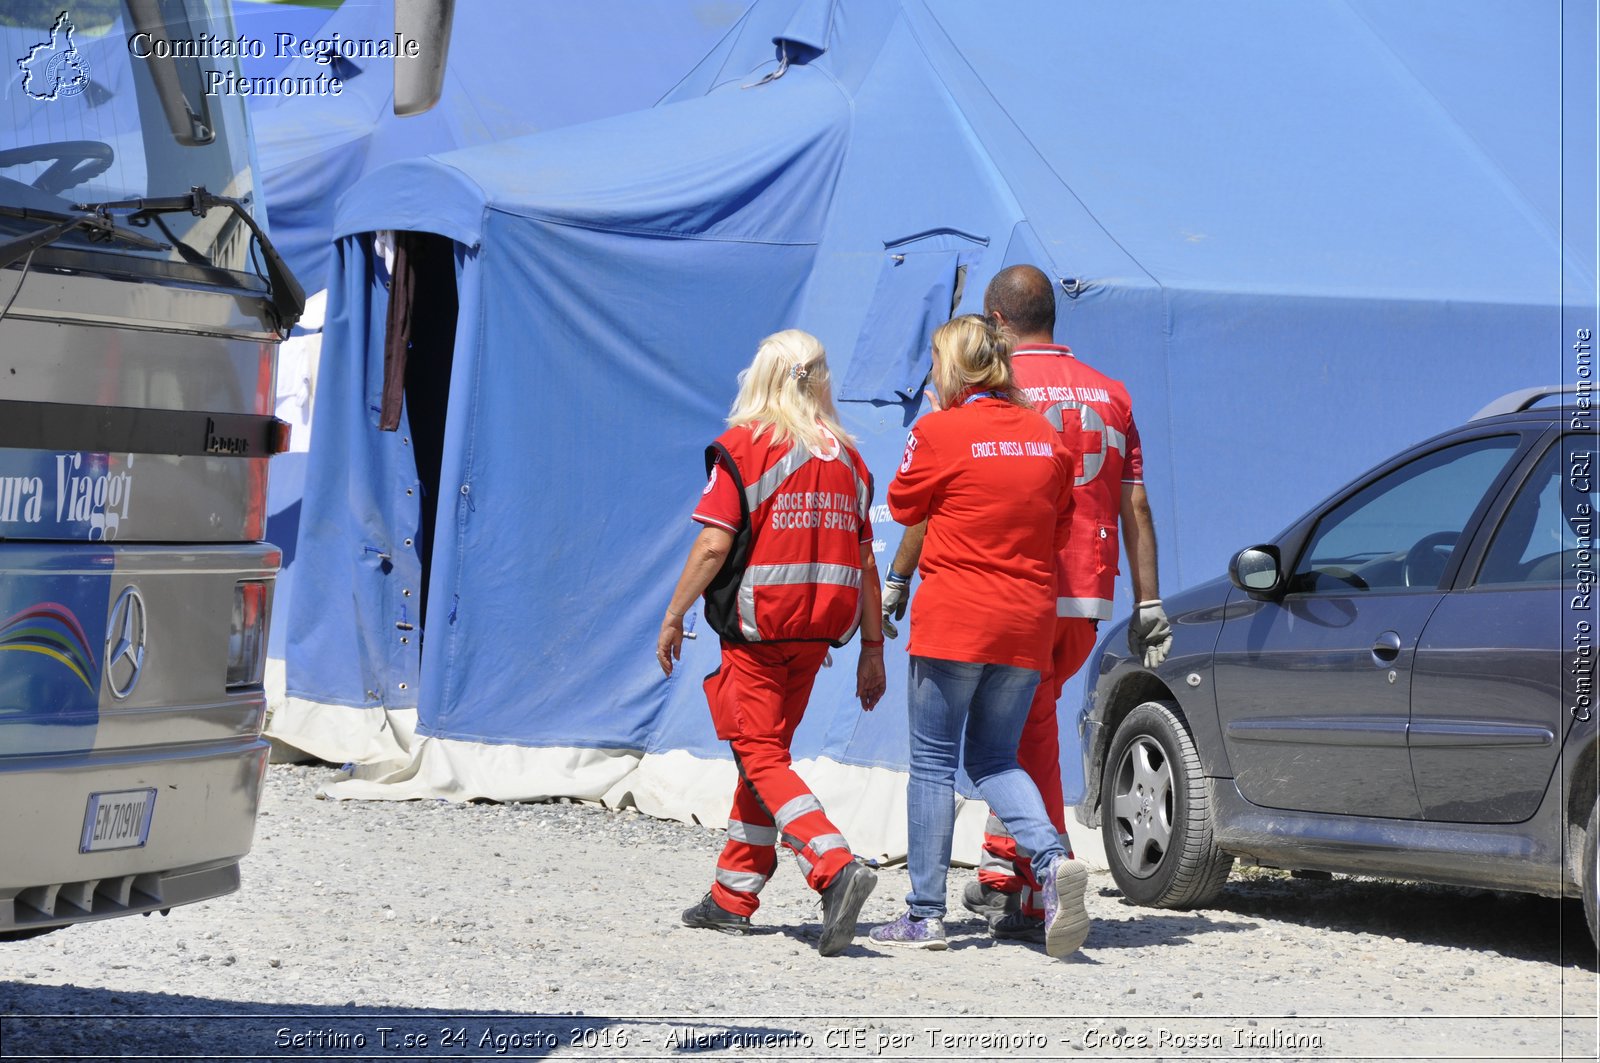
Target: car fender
[[1121, 682]]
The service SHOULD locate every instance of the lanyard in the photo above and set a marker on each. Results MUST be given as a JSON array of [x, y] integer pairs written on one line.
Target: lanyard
[[981, 395]]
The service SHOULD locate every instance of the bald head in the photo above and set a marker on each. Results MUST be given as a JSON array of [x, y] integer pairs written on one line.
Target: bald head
[[1025, 302]]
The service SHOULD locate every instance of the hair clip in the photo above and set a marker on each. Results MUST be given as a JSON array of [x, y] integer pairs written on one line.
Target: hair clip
[[798, 372]]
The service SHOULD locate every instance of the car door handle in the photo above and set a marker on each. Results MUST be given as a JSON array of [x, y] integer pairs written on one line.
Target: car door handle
[[1387, 648]]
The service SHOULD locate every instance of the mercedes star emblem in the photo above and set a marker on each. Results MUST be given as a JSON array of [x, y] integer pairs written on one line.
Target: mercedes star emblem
[[125, 635]]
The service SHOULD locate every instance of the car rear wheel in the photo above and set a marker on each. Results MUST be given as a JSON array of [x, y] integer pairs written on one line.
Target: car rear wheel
[[1591, 876], [1155, 813]]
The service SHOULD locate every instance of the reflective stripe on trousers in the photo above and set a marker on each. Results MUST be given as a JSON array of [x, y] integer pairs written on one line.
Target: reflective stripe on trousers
[[806, 854], [752, 834], [1001, 866], [741, 881], [749, 856], [997, 859], [767, 686]]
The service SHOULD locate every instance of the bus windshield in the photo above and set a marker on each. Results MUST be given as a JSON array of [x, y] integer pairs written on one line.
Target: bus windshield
[[116, 101]]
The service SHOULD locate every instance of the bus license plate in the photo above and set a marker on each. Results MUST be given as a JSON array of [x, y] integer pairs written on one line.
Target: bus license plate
[[117, 820]]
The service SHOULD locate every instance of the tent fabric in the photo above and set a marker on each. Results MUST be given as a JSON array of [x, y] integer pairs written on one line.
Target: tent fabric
[[1300, 234], [514, 68], [264, 21], [593, 60]]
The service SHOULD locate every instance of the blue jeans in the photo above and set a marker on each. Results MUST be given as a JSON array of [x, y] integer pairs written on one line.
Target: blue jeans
[[982, 707]]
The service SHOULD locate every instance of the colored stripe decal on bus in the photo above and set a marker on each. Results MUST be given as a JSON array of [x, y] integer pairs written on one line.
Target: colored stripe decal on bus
[[53, 630]]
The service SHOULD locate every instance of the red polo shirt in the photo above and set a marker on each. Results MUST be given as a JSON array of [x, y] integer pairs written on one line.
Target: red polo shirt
[[994, 482]]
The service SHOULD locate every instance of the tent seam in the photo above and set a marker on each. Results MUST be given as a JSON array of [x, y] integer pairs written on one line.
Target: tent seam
[[453, 636], [961, 112], [668, 233], [838, 172], [477, 111], [1486, 160], [1166, 297], [736, 29]]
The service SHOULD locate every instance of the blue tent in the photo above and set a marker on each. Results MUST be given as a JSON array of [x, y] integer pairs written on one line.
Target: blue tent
[[1304, 235], [515, 67], [265, 21], [593, 60]]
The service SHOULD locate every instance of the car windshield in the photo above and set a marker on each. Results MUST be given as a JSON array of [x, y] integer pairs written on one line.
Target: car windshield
[[99, 109]]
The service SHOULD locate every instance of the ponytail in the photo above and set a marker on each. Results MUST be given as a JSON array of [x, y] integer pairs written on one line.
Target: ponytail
[[973, 354]]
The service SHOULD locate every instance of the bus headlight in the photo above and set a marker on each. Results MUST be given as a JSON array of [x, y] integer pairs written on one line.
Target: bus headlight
[[247, 634]]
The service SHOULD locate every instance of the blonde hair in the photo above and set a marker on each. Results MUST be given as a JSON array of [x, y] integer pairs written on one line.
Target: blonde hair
[[787, 389], [973, 354]]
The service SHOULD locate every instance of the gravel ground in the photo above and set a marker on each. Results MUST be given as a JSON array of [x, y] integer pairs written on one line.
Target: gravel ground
[[430, 931]]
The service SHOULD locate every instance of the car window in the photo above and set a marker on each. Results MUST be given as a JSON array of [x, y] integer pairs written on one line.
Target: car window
[[1400, 530], [1549, 521]]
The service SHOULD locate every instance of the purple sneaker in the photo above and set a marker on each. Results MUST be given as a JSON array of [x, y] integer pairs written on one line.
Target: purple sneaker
[[1066, 921], [909, 933]]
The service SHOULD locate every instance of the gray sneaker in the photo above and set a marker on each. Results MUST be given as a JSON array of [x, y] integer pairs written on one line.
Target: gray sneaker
[[1014, 926], [841, 906], [910, 933], [710, 915], [989, 903], [1066, 920]]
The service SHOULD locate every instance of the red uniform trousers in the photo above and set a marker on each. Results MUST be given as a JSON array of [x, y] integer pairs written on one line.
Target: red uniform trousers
[[1039, 754], [757, 698]]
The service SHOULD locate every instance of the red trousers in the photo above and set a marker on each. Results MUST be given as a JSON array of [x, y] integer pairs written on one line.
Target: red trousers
[[757, 698], [1039, 754]]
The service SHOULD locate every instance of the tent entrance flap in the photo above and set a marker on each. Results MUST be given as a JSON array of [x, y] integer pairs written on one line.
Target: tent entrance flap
[[419, 351], [917, 292]]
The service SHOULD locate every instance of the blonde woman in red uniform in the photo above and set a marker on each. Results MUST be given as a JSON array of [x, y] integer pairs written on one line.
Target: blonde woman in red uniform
[[993, 480], [785, 563]]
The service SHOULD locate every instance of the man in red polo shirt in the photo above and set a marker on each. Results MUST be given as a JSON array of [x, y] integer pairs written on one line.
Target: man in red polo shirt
[[1094, 411]]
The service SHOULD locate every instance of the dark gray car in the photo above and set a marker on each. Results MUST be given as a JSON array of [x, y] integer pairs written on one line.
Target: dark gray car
[[1400, 684]]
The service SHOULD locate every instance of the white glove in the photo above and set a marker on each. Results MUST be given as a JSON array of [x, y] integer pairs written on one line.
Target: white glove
[[896, 595], [1150, 632]]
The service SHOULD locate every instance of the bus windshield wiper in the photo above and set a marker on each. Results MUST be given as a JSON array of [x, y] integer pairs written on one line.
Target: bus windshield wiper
[[97, 225], [288, 299]]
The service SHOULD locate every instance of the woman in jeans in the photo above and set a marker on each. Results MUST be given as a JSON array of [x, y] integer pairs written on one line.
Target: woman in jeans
[[994, 481]]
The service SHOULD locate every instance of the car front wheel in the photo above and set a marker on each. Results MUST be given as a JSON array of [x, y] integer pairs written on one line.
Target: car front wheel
[[1155, 813]]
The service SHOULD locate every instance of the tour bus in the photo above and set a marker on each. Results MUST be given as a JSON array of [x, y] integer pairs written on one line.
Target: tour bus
[[141, 304]]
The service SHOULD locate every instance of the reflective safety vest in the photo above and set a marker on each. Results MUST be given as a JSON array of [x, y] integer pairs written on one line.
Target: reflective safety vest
[[794, 571]]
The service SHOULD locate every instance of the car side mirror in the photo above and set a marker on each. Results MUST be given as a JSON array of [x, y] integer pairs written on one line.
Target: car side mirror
[[1257, 571]]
